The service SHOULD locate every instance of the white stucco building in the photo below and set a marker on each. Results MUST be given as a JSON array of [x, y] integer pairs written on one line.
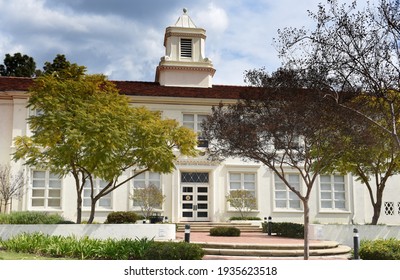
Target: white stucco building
[[197, 189]]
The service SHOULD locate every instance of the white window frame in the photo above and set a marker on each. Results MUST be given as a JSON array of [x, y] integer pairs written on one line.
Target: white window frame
[[99, 184], [333, 191], [146, 179], [48, 190], [283, 194], [241, 182]]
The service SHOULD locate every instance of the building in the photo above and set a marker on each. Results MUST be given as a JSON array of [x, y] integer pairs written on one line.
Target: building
[[197, 189]]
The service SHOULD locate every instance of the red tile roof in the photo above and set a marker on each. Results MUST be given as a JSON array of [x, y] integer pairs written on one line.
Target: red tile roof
[[132, 88]]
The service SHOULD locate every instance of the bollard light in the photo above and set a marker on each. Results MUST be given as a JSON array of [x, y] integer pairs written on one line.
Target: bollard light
[[269, 225], [187, 233], [356, 241]]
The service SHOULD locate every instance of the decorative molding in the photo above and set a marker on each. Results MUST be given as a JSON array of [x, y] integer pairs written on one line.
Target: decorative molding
[[186, 68]]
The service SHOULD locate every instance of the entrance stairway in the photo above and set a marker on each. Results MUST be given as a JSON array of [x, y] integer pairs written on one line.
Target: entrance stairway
[[278, 249]]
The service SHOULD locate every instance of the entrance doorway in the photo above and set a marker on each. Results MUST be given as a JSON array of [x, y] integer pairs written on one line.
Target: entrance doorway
[[194, 197]]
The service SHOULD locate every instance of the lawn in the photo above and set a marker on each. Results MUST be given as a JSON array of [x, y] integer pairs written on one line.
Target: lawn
[[6, 255]]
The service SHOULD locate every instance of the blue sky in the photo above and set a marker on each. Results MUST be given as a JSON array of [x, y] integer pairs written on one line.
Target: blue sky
[[124, 38]]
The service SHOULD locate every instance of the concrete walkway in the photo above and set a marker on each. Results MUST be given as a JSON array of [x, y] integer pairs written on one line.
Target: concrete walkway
[[258, 239]]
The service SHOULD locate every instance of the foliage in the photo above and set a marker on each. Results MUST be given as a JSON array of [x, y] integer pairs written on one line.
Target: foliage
[[381, 249], [121, 217], [242, 200], [244, 218], [26, 217], [18, 65], [224, 231], [287, 129], [95, 249], [11, 186], [61, 67], [174, 251], [285, 229], [372, 157], [148, 198], [87, 129]]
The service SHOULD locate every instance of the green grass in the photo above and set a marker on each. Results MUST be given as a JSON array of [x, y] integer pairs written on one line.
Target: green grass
[[7, 255]]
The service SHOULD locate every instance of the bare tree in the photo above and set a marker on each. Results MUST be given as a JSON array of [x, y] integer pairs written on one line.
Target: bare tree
[[242, 200], [11, 186], [352, 49], [148, 198]]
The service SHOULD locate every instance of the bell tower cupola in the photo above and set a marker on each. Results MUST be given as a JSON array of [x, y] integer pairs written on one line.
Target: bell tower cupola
[[184, 63]]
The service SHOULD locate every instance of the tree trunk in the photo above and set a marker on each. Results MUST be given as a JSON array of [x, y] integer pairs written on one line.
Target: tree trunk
[[306, 224], [377, 209], [79, 209], [92, 211]]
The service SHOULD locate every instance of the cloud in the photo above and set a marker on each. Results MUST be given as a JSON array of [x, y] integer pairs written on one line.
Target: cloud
[[124, 38]]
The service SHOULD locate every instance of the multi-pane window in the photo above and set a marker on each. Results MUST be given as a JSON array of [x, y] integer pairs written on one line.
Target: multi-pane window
[[146, 179], [186, 48], [194, 121], [243, 181], [103, 202], [284, 197], [46, 190], [333, 192]]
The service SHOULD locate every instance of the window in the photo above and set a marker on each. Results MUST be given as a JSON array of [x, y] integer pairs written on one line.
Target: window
[[146, 179], [46, 190], [186, 48], [284, 197], [243, 181], [104, 202], [193, 121], [333, 192]]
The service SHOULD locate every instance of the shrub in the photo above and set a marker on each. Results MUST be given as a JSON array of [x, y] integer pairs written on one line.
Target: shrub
[[225, 231], [285, 229], [121, 217], [174, 251], [380, 249], [95, 249], [26, 217], [244, 218]]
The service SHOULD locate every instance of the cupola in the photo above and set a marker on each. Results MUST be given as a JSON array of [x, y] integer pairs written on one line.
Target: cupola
[[184, 63]]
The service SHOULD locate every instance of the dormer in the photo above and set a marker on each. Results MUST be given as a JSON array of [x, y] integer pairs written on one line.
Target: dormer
[[184, 63]]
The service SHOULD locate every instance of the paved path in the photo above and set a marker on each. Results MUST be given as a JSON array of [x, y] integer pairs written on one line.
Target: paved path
[[252, 238], [244, 238]]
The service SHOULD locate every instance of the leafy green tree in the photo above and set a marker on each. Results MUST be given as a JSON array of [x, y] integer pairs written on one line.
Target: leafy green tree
[[371, 156], [18, 65], [62, 68], [148, 198], [85, 128], [242, 200]]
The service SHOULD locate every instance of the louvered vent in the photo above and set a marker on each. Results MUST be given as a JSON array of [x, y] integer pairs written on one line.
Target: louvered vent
[[186, 47]]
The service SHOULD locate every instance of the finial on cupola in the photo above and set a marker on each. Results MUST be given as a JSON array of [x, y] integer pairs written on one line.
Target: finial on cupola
[[185, 10]]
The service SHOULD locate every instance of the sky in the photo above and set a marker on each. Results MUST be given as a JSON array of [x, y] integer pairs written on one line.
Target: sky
[[123, 39]]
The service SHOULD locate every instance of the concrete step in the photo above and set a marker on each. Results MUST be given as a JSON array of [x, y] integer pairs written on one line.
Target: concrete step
[[331, 249]]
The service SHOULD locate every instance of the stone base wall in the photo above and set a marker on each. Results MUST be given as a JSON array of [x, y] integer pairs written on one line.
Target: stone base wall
[[97, 231], [344, 233]]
